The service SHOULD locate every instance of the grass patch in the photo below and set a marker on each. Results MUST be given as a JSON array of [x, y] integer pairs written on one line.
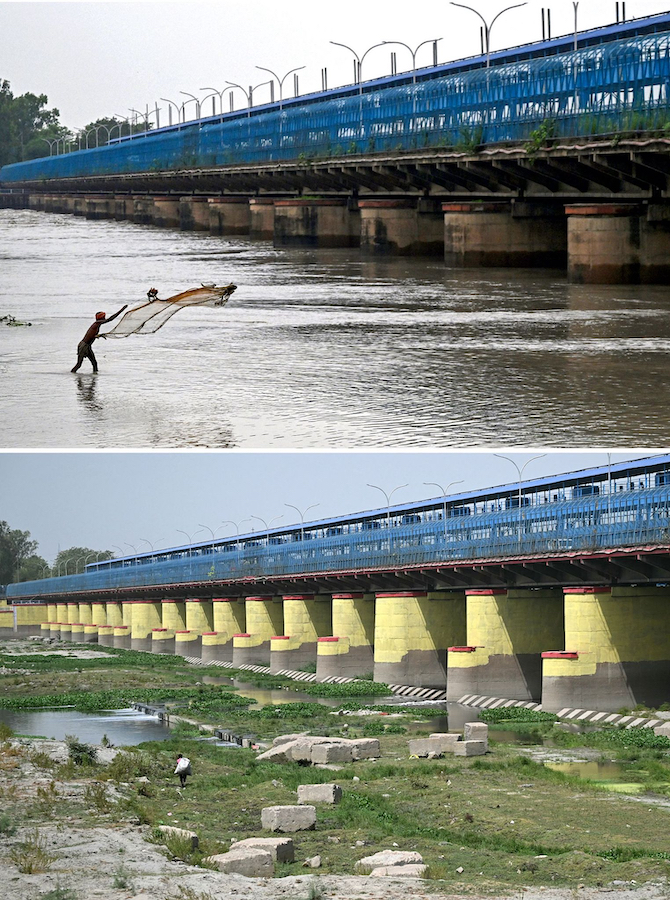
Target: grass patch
[[31, 856]]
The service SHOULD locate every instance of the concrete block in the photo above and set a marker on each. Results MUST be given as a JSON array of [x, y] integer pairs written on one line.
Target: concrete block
[[280, 753], [365, 748], [399, 871], [476, 731], [470, 748], [319, 793], [280, 848], [663, 730], [396, 859], [331, 753], [171, 831], [249, 861], [301, 750], [288, 818], [437, 743]]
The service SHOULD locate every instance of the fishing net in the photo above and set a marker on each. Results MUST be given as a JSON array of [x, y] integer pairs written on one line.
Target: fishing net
[[152, 315]]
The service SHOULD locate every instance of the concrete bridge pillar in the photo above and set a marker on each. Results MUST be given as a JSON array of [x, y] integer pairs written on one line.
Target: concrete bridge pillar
[[65, 631], [143, 210], [188, 643], [114, 612], [127, 611], [616, 652], [349, 652], [505, 234], [408, 227], [98, 208], [106, 635], [98, 612], [315, 223], [412, 632], [162, 641], [193, 214], [85, 613], [231, 215], [123, 208], [7, 622], [165, 212], [611, 243], [507, 630], [54, 627], [36, 202], [77, 632], [29, 618], [146, 616], [67, 204], [52, 611], [61, 612], [199, 616], [173, 615], [122, 637], [229, 620], [90, 634], [72, 612], [264, 618], [261, 218], [306, 619]]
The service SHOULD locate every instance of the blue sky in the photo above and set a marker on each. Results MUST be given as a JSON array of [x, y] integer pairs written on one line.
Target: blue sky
[[122, 500]]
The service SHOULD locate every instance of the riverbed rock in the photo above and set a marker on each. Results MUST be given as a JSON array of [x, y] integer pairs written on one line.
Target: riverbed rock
[[396, 859], [280, 848], [319, 793], [249, 861], [399, 871], [470, 748], [288, 818], [436, 744], [171, 831], [476, 731]]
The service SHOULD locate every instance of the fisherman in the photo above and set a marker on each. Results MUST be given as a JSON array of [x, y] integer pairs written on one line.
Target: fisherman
[[152, 294], [85, 347]]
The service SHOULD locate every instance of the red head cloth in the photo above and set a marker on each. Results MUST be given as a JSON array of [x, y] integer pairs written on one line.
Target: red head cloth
[[100, 315]]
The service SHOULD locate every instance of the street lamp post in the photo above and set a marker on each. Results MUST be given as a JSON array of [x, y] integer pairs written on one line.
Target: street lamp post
[[358, 72], [196, 101], [520, 472], [444, 494], [280, 81], [51, 144], [179, 111], [488, 25], [218, 94], [302, 525], [388, 507], [267, 526], [414, 52], [237, 531], [249, 94]]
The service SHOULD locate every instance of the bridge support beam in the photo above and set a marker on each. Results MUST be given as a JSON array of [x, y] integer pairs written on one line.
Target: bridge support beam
[[349, 652], [306, 618], [98, 613], [143, 210], [193, 214], [412, 632], [114, 612], [162, 641], [402, 227], [122, 637], [165, 212], [188, 643], [228, 616], [199, 617], [616, 652], [264, 618], [504, 234], [29, 619], [261, 218], [106, 635], [507, 630], [315, 223], [123, 208], [90, 634], [229, 215], [612, 243], [146, 615], [98, 208], [84, 613]]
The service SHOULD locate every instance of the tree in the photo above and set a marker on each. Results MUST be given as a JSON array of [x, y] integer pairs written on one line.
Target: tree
[[24, 122], [73, 560], [33, 567], [15, 548], [102, 130]]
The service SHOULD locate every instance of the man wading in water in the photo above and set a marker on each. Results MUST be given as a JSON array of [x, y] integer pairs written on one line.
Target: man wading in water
[[85, 348]]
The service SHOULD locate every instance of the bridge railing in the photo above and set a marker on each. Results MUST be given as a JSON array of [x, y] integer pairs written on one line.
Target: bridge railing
[[614, 88], [624, 519]]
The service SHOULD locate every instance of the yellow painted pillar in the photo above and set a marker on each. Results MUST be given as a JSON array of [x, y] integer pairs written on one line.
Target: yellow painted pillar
[[45, 629], [507, 630], [77, 632], [146, 616], [264, 618], [188, 643], [616, 652], [229, 619], [307, 617], [173, 614], [162, 641], [61, 613], [127, 611], [90, 634], [106, 635], [72, 612], [122, 637], [84, 614], [65, 631], [412, 632], [29, 618], [349, 651], [98, 613], [199, 616], [52, 611], [54, 629], [114, 613]]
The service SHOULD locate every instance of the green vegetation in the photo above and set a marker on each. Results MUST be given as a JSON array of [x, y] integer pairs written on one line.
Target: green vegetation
[[31, 856], [515, 714], [81, 754]]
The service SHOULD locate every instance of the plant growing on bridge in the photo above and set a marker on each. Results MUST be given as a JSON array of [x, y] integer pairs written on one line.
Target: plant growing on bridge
[[541, 137]]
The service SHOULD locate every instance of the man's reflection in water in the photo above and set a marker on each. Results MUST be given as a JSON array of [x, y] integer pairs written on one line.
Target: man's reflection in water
[[86, 387]]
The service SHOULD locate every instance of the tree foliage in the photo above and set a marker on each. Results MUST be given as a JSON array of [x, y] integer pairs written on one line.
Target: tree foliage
[[25, 124], [73, 560], [15, 548]]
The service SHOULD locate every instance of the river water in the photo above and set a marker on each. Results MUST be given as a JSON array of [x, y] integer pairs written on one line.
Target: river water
[[318, 348]]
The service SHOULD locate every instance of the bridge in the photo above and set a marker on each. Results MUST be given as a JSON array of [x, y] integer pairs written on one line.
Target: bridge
[[552, 156], [555, 589]]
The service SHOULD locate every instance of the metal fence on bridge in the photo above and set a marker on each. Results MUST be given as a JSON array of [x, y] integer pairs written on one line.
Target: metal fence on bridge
[[623, 519], [617, 87]]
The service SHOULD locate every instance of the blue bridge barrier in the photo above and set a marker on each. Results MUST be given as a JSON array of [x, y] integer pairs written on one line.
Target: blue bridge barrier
[[614, 87]]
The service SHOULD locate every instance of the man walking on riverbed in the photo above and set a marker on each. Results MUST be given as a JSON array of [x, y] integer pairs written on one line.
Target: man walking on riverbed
[[85, 348]]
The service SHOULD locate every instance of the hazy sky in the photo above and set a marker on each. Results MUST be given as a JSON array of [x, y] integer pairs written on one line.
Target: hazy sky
[[100, 500], [101, 58]]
